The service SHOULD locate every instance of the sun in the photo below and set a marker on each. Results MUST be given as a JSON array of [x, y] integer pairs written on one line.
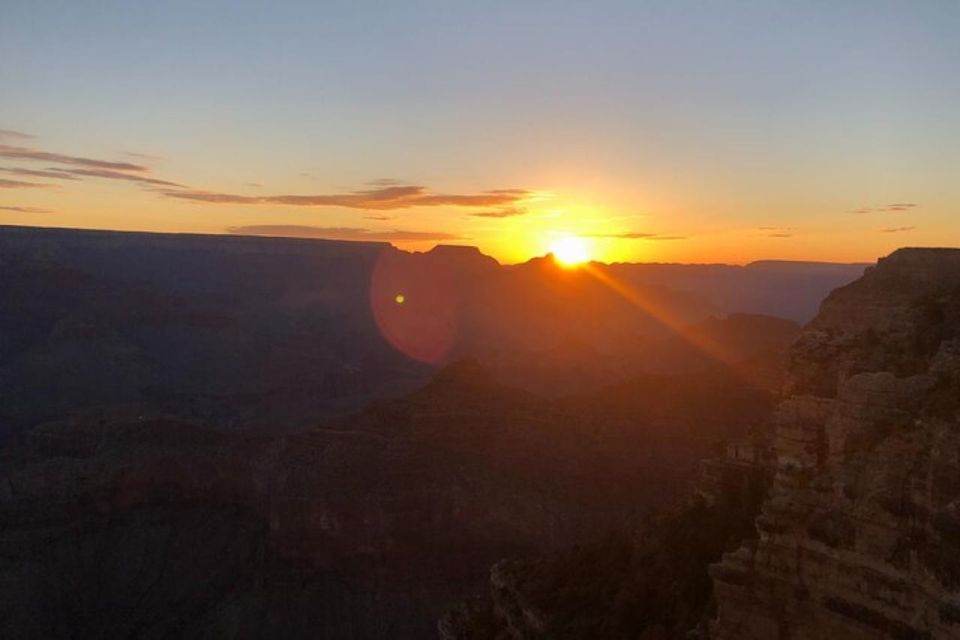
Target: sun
[[570, 251]]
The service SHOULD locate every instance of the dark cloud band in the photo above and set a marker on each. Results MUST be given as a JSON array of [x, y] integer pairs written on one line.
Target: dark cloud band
[[340, 233], [23, 153], [384, 199]]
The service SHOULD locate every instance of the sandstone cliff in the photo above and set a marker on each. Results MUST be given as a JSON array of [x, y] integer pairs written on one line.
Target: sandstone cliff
[[860, 535]]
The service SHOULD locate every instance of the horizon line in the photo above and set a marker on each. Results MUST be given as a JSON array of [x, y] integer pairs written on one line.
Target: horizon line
[[387, 243]]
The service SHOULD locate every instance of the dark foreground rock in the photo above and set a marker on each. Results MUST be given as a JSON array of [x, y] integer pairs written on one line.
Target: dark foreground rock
[[118, 524]]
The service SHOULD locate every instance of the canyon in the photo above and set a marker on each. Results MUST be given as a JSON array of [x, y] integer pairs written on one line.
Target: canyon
[[252, 333], [836, 518], [859, 535], [730, 476]]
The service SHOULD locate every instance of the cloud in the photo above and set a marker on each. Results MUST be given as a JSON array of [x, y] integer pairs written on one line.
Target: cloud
[[506, 212], [896, 229], [24, 209], [378, 217], [23, 153], [629, 235], [385, 194], [339, 233], [50, 173], [118, 175], [142, 156], [635, 235], [64, 173], [887, 208], [384, 199], [18, 184], [779, 232], [19, 135]]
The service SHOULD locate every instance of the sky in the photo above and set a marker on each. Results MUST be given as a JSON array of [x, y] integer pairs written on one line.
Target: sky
[[684, 131]]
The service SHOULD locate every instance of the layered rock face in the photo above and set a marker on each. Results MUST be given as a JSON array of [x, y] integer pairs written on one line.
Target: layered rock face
[[860, 535]]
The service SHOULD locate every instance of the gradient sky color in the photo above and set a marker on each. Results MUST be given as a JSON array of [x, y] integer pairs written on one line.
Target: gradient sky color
[[660, 131]]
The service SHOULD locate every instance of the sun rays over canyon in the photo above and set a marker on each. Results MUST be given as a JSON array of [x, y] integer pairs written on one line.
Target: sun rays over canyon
[[495, 320]]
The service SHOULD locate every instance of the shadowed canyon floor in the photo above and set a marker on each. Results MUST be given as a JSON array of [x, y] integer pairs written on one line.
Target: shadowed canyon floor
[[384, 518]]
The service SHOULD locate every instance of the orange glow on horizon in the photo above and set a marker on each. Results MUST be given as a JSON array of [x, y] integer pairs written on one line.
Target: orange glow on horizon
[[570, 251]]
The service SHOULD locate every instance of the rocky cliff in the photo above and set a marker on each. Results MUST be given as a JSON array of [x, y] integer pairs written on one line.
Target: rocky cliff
[[839, 515], [860, 535]]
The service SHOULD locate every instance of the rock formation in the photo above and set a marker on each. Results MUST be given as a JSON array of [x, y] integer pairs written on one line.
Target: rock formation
[[246, 333], [118, 524], [860, 535]]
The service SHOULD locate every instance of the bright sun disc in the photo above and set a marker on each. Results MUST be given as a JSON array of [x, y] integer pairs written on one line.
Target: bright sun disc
[[570, 251]]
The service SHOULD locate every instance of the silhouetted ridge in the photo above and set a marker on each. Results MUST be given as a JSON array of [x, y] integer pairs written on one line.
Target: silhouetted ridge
[[255, 333]]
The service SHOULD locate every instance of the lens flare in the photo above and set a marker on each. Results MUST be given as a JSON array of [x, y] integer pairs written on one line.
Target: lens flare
[[414, 305]]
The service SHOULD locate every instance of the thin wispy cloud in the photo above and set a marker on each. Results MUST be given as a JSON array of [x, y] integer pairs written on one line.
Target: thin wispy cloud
[[893, 207], [341, 233], [635, 235], [119, 175], [24, 209], [506, 212], [142, 156], [897, 229], [385, 198], [24, 153], [15, 135], [19, 184], [778, 232], [39, 173]]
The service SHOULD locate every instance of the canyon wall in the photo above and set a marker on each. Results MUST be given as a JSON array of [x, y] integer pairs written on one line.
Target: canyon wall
[[860, 535]]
